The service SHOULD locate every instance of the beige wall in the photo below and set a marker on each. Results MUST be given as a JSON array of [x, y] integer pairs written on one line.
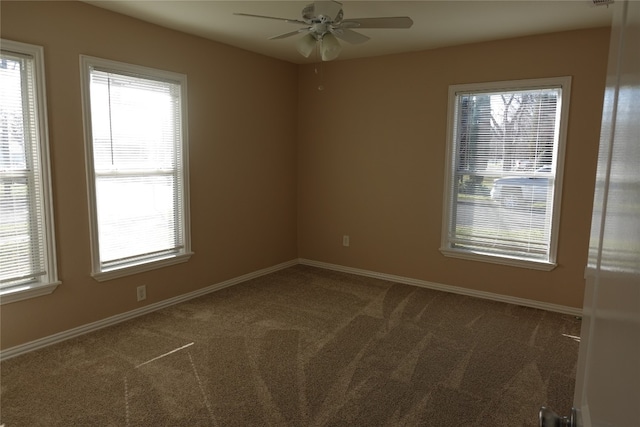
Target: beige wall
[[242, 119], [371, 156], [280, 170]]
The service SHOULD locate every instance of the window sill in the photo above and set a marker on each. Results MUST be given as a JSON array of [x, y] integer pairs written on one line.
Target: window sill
[[114, 273], [19, 293], [495, 259]]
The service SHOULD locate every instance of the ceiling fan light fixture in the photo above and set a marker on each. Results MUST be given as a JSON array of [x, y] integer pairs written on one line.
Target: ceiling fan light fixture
[[329, 47], [324, 24], [306, 45]]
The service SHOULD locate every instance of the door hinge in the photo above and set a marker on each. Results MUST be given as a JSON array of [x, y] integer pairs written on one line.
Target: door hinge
[[548, 418]]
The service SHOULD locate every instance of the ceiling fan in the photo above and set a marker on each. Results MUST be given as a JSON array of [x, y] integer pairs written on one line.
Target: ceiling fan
[[324, 24]]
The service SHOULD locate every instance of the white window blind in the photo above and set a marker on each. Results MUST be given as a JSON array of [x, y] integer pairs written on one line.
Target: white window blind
[[27, 260], [138, 167], [503, 172]]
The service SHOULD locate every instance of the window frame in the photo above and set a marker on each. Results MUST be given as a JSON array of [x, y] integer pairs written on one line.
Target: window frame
[[447, 248], [98, 272], [48, 282]]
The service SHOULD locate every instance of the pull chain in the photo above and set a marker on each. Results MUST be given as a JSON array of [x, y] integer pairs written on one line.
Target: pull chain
[[317, 70]]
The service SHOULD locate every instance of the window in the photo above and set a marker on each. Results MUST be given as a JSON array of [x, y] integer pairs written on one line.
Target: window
[[137, 167], [27, 255], [504, 171]]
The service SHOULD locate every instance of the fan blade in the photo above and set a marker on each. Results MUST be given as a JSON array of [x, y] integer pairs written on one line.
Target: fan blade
[[292, 21], [289, 34], [330, 9], [349, 36], [388, 22]]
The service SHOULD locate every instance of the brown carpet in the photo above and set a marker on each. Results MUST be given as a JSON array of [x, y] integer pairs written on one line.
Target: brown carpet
[[304, 347]]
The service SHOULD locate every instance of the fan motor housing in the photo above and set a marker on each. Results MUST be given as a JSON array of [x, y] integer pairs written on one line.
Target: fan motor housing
[[309, 16]]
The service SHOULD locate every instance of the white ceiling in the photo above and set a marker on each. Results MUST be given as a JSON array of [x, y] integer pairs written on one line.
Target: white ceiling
[[436, 23]]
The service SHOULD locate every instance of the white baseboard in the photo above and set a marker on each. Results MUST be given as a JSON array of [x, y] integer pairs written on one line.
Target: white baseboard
[[118, 318], [447, 288], [109, 321]]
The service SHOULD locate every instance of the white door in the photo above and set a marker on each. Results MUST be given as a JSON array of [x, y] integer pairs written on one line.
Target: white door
[[608, 377]]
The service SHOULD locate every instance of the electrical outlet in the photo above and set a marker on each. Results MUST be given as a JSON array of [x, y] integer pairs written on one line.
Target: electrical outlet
[[142, 292], [345, 240]]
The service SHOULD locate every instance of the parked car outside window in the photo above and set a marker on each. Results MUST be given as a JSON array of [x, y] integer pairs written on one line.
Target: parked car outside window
[[523, 191]]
